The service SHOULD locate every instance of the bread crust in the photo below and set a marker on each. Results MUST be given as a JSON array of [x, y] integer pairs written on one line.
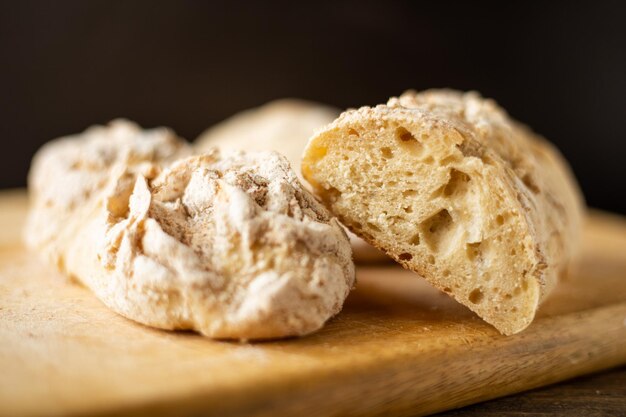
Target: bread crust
[[229, 245], [480, 206]]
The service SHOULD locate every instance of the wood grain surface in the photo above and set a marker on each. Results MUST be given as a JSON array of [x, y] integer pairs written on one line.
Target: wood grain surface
[[601, 394], [398, 348]]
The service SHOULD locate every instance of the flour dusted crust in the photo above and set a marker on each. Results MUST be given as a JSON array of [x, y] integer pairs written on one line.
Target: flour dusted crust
[[452, 188], [68, 173], [284, 126], [228, 245]]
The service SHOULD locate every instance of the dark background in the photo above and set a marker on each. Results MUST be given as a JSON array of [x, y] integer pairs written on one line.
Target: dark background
[[557, 66]]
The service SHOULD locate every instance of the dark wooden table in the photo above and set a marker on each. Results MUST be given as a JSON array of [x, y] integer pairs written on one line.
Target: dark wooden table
[[602, 394]]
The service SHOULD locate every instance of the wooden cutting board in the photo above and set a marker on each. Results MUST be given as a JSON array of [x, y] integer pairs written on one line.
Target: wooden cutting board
[[399, 347]]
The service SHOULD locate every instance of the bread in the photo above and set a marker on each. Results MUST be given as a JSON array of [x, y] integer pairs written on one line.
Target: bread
[[68, 173], [453, 189], [229, 245], [284, 126]]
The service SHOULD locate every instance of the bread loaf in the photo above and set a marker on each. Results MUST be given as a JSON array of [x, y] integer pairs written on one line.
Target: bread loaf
[[229, 245], [454, 189]]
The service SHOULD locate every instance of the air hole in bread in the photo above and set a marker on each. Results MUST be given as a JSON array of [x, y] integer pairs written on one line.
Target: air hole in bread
[[404, 135], [409, 193], [436, 228], [448, 160], [408, 142], [333, 193], [405, 256], [431, 259], [500, 219], [473, 250], [456, 183], [476, 296], [386, 152], [472, 148], [408, 209], [415, 239], [447, 289], [354, 132], [373, 227], [438, 192]]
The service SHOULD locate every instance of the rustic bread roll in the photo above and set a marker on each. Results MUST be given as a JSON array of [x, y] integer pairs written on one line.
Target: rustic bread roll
[[230, 246], [284, 126], [453, 189]]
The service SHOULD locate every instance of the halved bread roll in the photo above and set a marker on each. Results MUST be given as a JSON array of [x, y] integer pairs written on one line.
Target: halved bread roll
[[229, 245], [453, 189], [284, 126]]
